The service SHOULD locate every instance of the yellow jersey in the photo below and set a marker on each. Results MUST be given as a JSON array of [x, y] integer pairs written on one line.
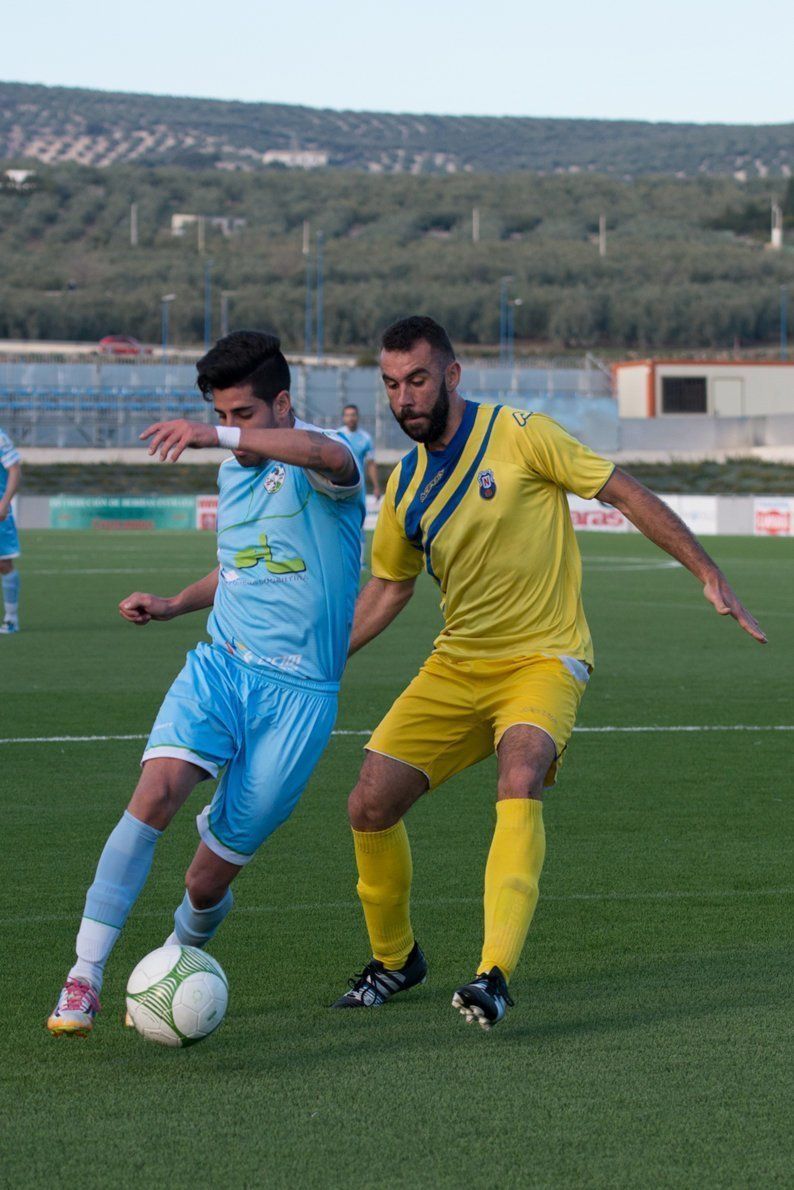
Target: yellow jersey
[[488, 518]]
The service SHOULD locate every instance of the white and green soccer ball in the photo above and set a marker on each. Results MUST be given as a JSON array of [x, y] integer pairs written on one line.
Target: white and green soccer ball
[[177, 995]]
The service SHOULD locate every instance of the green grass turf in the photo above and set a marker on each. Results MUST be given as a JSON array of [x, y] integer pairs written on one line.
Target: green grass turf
[[651, 1039]]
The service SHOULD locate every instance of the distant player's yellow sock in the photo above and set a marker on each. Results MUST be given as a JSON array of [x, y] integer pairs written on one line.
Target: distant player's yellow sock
[[384, 886], [511, 881]]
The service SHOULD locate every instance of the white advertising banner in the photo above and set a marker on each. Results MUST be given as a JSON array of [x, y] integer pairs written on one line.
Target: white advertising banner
[[591, 514], [773, 516], [699, 513]]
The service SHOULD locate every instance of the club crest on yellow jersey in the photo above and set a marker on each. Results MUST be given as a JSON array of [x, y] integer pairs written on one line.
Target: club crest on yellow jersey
[[487, 484]]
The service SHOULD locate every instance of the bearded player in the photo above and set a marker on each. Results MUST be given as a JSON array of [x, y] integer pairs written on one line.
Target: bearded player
[[480, 503], [259, 702]]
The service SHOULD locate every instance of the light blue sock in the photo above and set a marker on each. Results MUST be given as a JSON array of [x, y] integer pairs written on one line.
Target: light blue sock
[[11, 594], [121, 874], [195, 927]]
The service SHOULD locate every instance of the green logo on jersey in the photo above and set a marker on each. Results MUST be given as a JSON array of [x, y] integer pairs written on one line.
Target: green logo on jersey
[[253, 554]]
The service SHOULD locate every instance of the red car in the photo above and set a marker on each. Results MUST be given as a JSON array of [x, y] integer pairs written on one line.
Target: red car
[[122, 345]]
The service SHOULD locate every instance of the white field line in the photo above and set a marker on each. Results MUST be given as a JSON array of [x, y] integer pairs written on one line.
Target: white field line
[[620, 730], [353, 906], [693, 605], [142, 569]]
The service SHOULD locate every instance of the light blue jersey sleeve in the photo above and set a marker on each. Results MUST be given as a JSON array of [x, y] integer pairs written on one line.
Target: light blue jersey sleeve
[[288, 553], [9, 455]]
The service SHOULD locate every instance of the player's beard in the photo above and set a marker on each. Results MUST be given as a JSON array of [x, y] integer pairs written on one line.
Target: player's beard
[[437, 419]]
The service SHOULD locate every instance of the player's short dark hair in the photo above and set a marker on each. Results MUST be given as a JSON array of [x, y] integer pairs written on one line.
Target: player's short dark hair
[[407, 332], [245, 357], [349, 405]]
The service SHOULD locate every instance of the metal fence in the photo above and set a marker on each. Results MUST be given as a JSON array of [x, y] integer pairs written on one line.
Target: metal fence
[[108, 404]]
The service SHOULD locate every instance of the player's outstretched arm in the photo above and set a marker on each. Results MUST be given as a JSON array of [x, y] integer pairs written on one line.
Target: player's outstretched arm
[[376, 607], [299, 448], [140, 607], [660, 525]]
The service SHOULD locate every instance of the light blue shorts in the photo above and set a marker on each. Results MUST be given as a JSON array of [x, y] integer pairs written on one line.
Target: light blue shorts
[[268, 731], [9, 542]]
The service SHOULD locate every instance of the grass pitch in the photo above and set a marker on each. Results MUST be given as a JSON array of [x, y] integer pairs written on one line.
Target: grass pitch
[[651, 1039]]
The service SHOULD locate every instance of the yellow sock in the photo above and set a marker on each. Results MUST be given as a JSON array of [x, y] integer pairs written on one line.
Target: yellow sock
[[384, 887], [511, 881]]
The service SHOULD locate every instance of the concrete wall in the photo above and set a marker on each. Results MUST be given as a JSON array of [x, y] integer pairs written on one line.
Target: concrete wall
[[695, 435]]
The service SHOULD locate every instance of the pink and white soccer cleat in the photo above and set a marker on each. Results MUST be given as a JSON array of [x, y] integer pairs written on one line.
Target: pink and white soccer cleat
[[75, 1011]]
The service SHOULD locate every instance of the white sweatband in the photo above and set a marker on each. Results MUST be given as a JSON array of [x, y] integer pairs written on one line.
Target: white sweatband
[[228, 436]]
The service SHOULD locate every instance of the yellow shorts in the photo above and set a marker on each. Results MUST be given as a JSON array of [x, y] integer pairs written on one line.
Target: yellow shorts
[[455, 712]]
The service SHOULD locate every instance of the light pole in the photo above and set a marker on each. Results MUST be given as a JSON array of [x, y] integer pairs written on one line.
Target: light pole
[[225, 295], [510, 330], [165, 302], [784, 321], [504, 283], [320, 297], [207, 304], [308, 300]]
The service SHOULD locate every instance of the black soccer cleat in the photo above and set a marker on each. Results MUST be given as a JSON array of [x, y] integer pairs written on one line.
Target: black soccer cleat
[[375, 984], [484, 1000]]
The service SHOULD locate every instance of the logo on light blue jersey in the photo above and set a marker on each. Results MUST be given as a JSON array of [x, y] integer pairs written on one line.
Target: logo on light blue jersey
[[274, 480]]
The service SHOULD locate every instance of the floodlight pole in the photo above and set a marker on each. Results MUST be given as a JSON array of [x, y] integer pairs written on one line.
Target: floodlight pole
[[225, 295], [207, 304], [307, 316], [784, 321], [504, 282], [165, 302], [510, 331], [320, 297]]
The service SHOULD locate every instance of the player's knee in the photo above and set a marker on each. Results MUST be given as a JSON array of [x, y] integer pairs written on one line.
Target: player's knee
[[6, 565], [155, 803], [367, 810], [520, 780], [204, 889]]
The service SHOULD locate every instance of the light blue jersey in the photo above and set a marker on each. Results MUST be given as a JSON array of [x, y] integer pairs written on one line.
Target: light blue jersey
[[288, 549], [9, 541], [260, 701], [361, 444]]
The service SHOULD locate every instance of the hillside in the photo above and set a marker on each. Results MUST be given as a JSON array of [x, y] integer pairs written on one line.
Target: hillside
[[670, 278], [59, 124]]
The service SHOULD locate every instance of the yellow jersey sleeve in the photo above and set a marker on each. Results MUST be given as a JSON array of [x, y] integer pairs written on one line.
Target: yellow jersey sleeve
[[555, 455], [393, 556]]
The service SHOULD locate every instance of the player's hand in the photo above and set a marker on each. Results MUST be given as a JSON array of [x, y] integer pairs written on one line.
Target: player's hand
[[4, 511], [170, 438], [721, 595], [140, 608]]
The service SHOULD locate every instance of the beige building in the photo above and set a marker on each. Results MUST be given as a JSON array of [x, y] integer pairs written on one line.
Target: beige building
[[741, 388]]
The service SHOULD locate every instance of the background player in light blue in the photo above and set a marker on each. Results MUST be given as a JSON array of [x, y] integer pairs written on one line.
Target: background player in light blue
[[362, 446], [10, 474], [260, 701]]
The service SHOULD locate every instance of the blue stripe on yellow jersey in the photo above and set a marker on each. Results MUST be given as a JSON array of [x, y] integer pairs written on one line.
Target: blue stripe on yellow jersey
[[488, 518]]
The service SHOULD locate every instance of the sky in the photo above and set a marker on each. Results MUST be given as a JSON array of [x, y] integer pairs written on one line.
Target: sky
[[683, 60]]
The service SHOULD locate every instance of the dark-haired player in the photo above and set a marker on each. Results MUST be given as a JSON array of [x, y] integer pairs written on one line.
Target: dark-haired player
[[259, 702], [480, 503]]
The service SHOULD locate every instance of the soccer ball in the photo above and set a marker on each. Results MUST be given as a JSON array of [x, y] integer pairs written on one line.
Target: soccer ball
[[177, 995]]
